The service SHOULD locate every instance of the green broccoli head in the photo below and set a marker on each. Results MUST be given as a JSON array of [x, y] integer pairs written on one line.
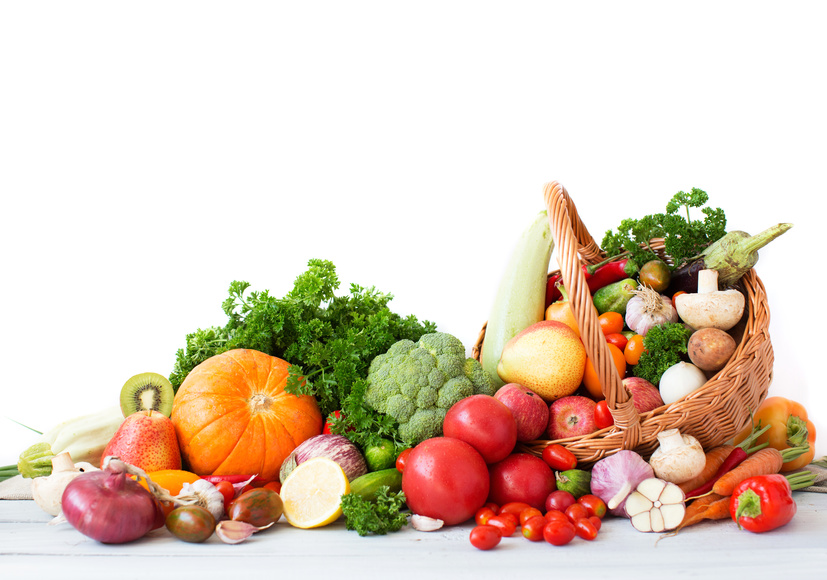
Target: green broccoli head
[[417, 382]]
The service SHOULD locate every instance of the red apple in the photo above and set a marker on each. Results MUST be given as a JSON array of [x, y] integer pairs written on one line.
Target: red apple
[[521, 477], [485, 424], [529, 409], [571, 416], [645, 395]]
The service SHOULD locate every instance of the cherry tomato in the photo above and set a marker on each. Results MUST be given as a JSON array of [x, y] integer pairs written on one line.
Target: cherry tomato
[[493, 506], [559, 500], [533, 528], [552, 515], [403, 457], [602, 416], [511, 517], [576, 511], [227, 490], [585, 529], [504, 524], [513, 507], [529, 513], [274, 485], [596, 522], [611, 322], [559, 458], [593, 504], [485, 537], [633, 350], [655, 274], [617, 339], [559, 532], [483, 515]]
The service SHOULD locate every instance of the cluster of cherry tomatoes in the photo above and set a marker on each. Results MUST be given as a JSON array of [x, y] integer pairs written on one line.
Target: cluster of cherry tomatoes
[[568, 518]]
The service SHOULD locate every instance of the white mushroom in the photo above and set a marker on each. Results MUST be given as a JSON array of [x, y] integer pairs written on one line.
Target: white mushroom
[[656, 506], [47, 491], [710, 307], [679, 457]]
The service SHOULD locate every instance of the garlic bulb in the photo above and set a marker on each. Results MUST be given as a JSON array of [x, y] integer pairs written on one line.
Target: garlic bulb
[[202, 492], [647, 308]]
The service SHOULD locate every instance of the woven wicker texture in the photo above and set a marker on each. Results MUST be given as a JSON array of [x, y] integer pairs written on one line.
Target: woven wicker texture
[[713, 413]]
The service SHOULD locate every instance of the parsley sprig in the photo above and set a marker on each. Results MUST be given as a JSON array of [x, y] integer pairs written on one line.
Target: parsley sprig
[[384, 514], [329, 340], [684, 238]]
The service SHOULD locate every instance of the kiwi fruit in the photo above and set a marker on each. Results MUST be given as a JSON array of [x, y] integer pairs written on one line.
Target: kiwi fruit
[[147, 391]]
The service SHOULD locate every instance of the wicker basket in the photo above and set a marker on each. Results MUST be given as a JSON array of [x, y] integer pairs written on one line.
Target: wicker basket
[[713, 413]]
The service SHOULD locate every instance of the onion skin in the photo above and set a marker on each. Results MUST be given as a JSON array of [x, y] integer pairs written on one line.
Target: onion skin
[[622, 471], [110, 507], [335, 447]]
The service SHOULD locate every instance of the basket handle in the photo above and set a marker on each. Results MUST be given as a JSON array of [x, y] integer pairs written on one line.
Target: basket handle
[[572, 249]]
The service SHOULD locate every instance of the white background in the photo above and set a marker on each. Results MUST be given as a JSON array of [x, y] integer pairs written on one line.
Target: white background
[[151, 153]]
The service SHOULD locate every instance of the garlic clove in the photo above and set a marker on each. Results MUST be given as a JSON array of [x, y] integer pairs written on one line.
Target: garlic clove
[[234, 532], [425, 524], [651, 488]]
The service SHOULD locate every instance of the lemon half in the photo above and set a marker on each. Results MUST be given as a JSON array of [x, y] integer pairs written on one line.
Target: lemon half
[[312, 493]]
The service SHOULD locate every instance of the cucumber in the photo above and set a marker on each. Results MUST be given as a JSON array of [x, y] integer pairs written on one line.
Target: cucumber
[[521, 297], [615, 297], [366, 485]]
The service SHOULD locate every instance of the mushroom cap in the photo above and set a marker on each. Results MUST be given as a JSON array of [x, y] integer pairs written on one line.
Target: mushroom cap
[[721, 309]]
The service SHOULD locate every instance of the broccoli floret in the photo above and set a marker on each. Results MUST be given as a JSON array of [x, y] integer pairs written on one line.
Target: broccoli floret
[[417, 382]]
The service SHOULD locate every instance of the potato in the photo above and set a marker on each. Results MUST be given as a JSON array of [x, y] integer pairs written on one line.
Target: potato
[[709, 349]]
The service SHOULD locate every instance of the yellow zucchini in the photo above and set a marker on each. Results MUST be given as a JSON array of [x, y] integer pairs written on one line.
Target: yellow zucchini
[[521, 297]]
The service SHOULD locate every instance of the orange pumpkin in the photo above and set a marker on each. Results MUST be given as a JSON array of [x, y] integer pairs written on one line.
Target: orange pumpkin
[[233, 416]]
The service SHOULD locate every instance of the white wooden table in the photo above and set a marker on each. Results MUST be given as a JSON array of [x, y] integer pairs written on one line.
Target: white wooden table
[[29, 548]]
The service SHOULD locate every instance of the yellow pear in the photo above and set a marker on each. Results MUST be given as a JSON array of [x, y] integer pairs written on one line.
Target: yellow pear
[[547, 357]]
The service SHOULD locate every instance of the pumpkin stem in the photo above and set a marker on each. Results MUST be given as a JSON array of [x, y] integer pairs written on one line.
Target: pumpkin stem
[[260, 402]]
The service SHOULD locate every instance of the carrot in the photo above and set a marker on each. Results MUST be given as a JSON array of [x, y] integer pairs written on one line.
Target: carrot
[[762, 462], [708, 507], [714, 459]]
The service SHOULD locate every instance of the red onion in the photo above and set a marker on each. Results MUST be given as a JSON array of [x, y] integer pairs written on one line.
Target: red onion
[[110, 507], [335, 447]]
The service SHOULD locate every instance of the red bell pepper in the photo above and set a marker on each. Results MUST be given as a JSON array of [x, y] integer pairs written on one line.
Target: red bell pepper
[[597, 275], [762, 503]]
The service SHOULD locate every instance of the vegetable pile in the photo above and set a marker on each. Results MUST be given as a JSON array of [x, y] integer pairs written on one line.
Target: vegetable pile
[[315, 407]]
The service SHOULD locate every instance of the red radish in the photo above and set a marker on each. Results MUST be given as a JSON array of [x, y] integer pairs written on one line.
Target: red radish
[[110, 507]]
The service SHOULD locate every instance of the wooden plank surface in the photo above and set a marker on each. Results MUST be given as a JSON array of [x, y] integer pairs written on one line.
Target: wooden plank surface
[[718, 550]]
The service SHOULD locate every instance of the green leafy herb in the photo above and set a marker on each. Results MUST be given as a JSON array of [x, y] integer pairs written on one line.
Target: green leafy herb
[[382, 515], [663, 346], [329, 340], [684, 238]]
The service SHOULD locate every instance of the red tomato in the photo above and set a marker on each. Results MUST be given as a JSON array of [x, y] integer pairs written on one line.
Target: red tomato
[[593, 504], [559, 500], [484, 423], [533, 527], [485, 537], [446, 479], [511, 517], [602, 416], [483, 515], [403, 457], [596, 522], [585, 529], [504, 523], [576, 511], [617, 339], [521, 477], [558, 457], [559, 532]]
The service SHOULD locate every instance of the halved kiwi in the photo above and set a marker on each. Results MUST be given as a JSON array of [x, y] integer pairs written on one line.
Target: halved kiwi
[[147, 391]]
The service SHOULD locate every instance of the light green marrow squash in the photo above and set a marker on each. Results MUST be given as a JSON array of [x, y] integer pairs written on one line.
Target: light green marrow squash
[[521, 297]]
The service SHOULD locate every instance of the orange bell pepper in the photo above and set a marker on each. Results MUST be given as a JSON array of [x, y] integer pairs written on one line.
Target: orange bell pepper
[[789, 427]]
